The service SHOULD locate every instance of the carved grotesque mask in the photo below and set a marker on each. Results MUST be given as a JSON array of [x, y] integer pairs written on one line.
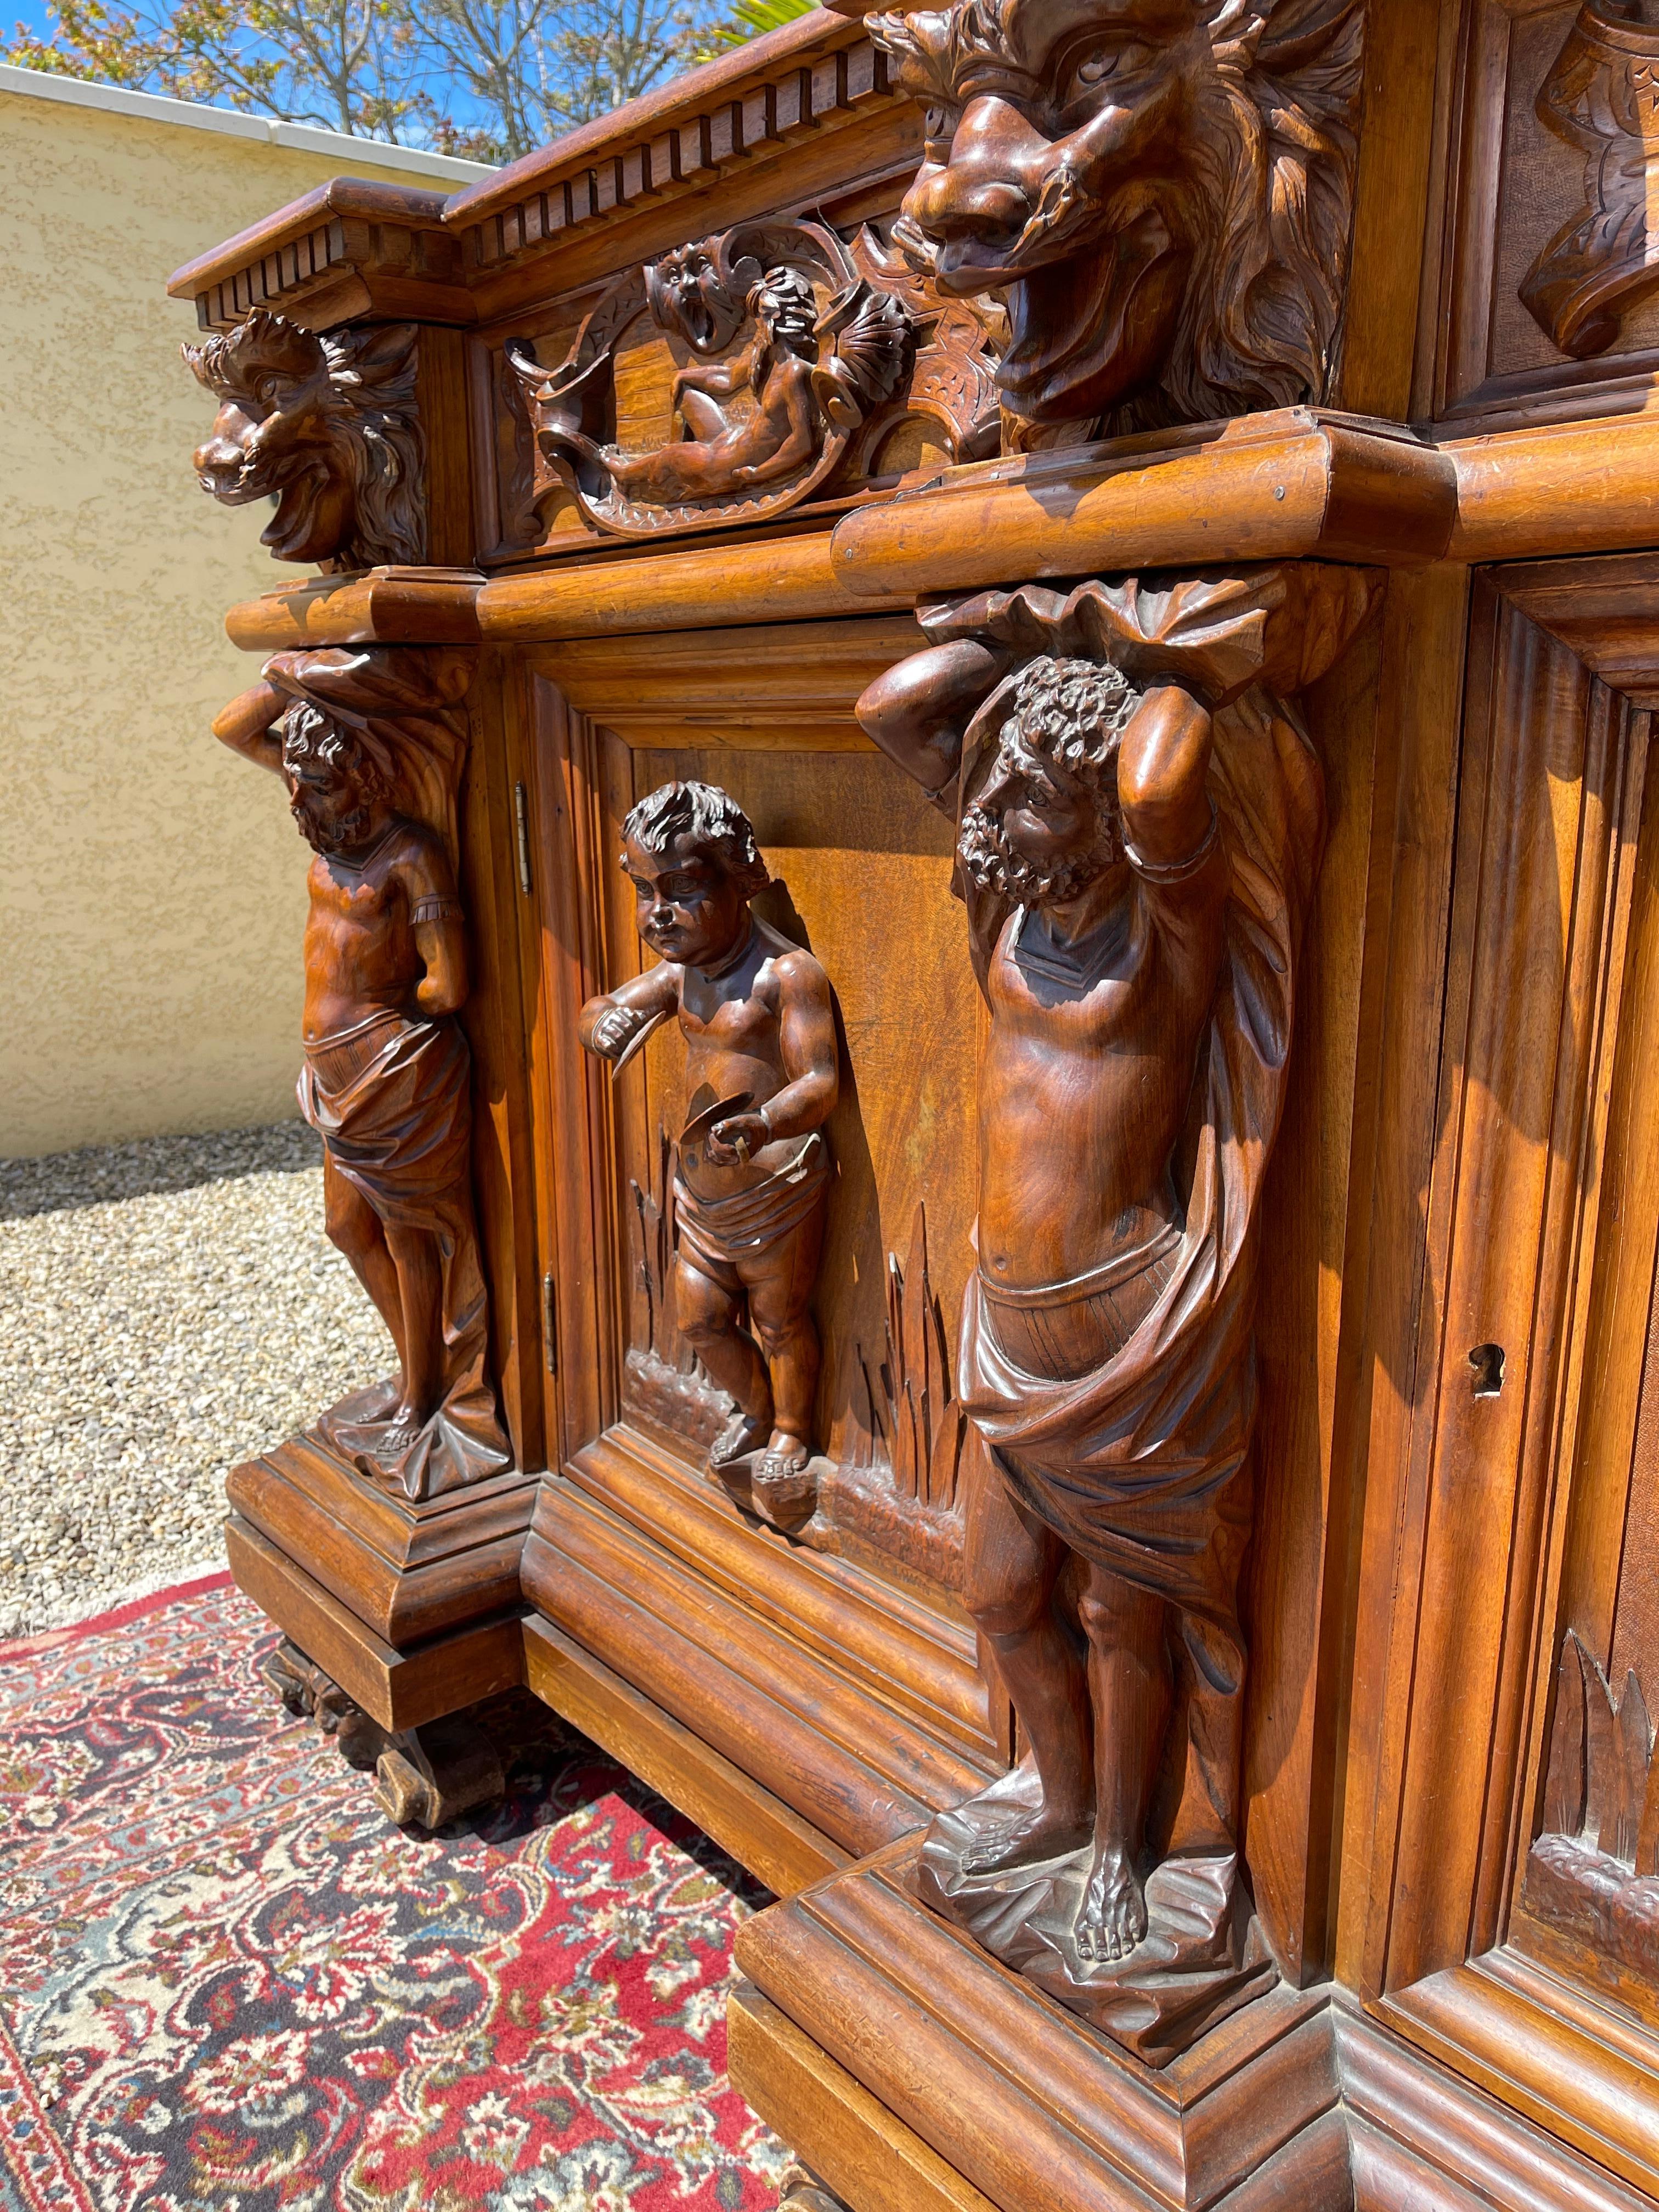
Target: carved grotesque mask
[[1159, 190], [326, 426], [688, 291]]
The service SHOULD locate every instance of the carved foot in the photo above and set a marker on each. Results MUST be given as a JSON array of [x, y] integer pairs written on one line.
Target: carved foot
[[740, 1437], [428, 1776], [784, 1487], [1112, 1917], [803, 2192], [1026, 1840]]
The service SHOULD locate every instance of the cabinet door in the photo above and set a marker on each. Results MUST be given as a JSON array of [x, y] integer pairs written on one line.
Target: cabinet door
[[1513, 1917]]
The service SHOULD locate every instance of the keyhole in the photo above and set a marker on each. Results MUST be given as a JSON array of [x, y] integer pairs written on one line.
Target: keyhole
[[1487, 1361]]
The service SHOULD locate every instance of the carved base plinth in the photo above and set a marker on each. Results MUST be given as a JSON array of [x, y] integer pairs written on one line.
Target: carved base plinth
[[425, 1777], [912, 2072], [783, 1501], [409, 1570], [1201, 1957]]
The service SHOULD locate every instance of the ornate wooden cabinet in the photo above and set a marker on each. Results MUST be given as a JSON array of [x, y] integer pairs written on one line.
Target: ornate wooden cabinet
[[1040, 1308]]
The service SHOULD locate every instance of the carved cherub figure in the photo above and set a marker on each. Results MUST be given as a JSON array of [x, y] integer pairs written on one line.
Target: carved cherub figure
[[751, 1189], [1139, 823], [387, 1079], [727, 450]]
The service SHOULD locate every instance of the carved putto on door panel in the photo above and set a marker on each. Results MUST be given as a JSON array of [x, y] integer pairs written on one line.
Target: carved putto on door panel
[[795, 358], [1159, 190], [1601, 96], [370, 746], [1139, 824], [751, 1167], [327, 426]]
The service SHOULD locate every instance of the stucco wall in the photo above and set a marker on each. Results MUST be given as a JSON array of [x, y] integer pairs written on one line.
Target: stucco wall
[[151, 886]]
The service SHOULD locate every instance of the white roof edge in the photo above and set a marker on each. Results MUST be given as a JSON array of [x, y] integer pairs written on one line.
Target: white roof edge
[[303, 137]]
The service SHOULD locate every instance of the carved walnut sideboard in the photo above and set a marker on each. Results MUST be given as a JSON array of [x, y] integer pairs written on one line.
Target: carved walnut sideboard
[[972, 697]]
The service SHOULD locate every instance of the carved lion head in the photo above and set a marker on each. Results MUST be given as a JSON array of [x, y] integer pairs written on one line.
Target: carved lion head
[[1160, 190], [326, 424]]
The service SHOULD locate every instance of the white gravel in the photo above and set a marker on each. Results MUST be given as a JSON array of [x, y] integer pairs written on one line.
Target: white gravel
[[167, 1308]]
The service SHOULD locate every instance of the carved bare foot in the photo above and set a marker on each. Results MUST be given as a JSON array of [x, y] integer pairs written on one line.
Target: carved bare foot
[[1112, 1917], [741, 1436], [1027, 1839], [785, 1459], [400, 1435]]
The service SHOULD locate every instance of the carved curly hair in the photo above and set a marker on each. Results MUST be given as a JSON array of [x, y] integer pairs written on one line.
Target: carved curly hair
[[308, 735], [702, 815], [1072, 712]]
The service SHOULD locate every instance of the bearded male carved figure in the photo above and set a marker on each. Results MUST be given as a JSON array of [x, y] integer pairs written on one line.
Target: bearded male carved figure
[[1139, 825], [370, 748], [328, 426], [1160, 191]]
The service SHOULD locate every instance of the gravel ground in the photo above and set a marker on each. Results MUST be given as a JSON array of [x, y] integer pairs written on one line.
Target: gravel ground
[[168, 1308]]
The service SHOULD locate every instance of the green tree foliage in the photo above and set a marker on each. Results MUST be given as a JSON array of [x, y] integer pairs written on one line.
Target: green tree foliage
[[486, 79]]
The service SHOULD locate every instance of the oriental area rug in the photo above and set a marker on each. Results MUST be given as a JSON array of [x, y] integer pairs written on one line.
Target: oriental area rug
[[228, 1985]]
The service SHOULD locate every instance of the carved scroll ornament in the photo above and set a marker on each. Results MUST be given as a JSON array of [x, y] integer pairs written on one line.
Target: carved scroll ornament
[[328, 426], [1601, 96], [1139, 821], [799, 350], [1159, 190], [370, 744]]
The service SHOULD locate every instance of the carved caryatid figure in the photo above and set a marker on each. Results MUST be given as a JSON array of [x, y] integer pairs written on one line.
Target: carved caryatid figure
[[328, 427], [1139, 825], [370, 746], [752, 1167], [1159, 190]]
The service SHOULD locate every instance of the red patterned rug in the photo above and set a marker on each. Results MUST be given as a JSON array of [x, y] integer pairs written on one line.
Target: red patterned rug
[[228, 1985]]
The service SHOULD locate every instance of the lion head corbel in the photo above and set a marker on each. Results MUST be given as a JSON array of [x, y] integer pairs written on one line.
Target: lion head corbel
[[1160, 191], [326, 425]]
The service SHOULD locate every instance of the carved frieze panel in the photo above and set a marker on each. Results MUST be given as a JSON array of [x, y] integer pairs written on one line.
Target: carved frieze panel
[[1161, 195], [329, 426], [741, 375], [1549, 292]]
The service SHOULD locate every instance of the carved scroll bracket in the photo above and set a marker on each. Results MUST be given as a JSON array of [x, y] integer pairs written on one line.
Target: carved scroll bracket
[[1601, 96]]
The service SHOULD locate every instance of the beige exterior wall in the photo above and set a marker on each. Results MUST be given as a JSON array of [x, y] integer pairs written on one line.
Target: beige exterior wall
[[151, 887]]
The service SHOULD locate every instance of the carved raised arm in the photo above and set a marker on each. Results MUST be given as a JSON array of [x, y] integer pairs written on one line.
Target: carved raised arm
[[918, 712], [247, 726], [1162, 766]]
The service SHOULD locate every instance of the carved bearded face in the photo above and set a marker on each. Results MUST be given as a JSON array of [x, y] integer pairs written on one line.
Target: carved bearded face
[[1044, 822], [1121, 171], [336, 793]]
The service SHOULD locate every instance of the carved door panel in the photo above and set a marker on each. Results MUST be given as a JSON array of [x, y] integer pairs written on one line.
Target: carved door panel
[[1522, 1517], [848, 1613]]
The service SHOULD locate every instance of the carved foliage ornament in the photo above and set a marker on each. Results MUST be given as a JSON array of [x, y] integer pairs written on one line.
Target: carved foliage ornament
[[797, 354], [1160, 190], [1603, 96], [328, 426]]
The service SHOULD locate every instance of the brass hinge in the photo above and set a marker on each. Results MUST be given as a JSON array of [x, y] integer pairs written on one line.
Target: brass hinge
[[550, 1323], [521, 816]]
